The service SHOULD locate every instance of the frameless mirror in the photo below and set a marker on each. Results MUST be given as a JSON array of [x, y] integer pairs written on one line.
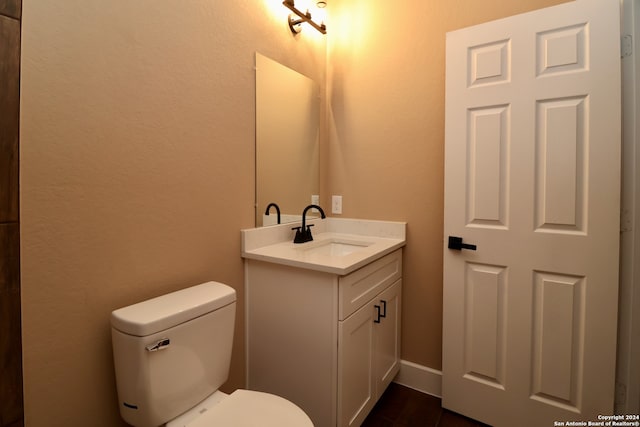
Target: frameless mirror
[[287, 141]]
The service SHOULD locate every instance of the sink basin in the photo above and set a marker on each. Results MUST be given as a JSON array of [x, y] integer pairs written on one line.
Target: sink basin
[[335, 247]]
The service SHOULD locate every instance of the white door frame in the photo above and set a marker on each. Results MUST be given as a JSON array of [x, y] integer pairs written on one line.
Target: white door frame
[[628, 370]]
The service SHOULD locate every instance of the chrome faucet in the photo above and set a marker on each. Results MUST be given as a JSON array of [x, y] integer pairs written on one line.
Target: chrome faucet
[[303, 233], [266, 212]]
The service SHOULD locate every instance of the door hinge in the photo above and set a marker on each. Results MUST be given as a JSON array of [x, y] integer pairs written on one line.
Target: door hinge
[[626, 220], [621, 395], [626, 46]]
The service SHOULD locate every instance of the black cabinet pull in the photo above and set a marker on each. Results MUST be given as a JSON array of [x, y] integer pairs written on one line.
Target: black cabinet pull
[[380, 311], [456, 244]]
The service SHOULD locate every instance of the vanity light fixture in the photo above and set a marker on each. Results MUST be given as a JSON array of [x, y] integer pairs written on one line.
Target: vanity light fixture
[[296, 21]]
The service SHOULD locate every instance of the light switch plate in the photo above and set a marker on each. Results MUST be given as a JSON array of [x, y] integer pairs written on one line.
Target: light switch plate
[[315, 200], [336, 204]]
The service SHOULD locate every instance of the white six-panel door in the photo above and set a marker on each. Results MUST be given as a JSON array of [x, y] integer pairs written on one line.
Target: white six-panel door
[[532, 177]]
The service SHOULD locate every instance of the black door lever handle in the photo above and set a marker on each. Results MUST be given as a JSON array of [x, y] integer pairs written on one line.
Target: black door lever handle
[[456, 243]]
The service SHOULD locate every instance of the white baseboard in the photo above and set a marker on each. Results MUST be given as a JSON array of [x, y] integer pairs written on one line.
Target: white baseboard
[[421, 378]]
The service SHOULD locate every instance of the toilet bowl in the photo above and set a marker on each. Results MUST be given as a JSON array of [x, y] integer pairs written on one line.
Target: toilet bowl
[[244, 408], [172, 353]]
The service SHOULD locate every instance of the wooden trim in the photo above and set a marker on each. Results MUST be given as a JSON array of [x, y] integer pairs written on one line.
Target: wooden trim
[[11, 389], [9, 118], [11, 8]]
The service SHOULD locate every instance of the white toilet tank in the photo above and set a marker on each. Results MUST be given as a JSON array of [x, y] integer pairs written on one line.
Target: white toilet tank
[[171, 352]]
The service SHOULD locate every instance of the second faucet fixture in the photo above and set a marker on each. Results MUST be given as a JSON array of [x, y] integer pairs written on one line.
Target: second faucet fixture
[[303, 233]]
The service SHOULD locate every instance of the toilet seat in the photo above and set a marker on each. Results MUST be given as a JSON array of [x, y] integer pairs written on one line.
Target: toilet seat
[[245, 408]]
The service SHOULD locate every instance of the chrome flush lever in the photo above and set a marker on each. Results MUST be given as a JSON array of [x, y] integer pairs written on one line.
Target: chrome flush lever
[[159, 345]]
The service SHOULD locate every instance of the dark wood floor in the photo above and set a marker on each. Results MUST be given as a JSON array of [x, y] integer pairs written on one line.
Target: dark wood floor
[[401, 406]]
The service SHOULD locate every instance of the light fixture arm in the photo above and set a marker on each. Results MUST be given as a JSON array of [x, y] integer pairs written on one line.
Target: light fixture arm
[[304, 17]]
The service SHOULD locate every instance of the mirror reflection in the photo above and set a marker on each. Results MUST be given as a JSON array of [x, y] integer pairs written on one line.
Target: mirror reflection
[[287, 141]]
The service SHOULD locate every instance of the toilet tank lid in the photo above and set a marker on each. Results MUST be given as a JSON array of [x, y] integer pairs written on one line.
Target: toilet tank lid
[[163, 312]]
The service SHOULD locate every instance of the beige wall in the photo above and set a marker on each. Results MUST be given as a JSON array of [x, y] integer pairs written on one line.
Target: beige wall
[[137, 154], [386, 87], [137, 173]]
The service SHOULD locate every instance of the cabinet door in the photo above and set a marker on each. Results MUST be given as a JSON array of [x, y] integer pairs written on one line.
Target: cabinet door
[[356, 390], [387, 337]]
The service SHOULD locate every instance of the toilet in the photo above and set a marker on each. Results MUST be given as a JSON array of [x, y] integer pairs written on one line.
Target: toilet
[[171, 353]]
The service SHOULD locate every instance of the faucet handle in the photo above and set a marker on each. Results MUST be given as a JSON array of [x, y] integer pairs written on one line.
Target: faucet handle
[[299, 235], [307, 233]]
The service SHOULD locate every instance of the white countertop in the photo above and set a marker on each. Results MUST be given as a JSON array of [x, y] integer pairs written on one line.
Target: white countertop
[[340, 246]]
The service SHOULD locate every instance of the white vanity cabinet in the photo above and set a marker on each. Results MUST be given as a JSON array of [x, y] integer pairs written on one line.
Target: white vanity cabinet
[[368, 355], [329, 343]]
